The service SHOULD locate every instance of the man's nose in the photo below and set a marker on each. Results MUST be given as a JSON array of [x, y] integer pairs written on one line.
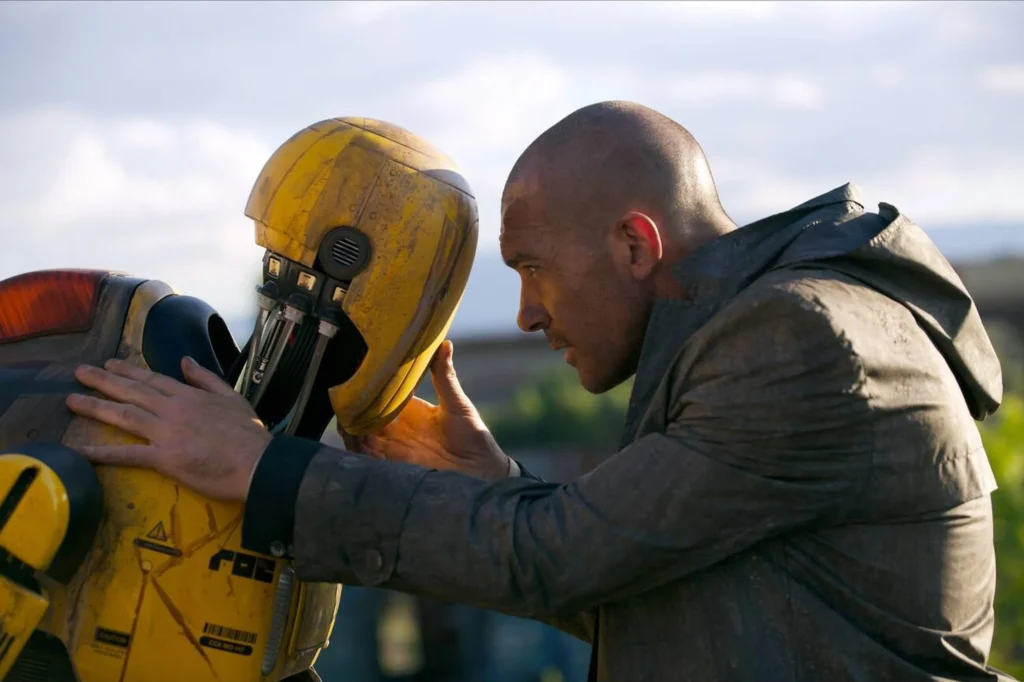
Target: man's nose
[[532, 316]]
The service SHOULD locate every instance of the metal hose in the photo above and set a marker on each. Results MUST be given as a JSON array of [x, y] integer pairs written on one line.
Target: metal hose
[[282, 602], [326, 333], [292, 316]]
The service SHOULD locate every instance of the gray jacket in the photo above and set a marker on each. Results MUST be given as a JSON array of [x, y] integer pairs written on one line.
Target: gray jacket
[[801, 494]]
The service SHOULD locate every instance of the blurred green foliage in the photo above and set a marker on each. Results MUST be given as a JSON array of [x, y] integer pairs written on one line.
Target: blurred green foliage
[[1009, 344], [1004, 439], [555, 412]]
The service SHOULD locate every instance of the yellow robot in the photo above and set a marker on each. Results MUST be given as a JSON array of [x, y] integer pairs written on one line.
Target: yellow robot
[[112, 574]]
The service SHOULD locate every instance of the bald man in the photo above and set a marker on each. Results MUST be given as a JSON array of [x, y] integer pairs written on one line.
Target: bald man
[[801, 492]]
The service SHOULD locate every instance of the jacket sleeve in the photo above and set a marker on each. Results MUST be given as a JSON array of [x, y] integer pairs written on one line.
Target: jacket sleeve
[[580, 625], [769, 432]]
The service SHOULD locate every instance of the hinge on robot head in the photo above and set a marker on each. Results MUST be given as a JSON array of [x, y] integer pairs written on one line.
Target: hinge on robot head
[[293, 291], [283, 278], [344, 252]]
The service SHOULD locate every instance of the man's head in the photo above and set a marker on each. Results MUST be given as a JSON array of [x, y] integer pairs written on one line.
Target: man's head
[[594, 214]]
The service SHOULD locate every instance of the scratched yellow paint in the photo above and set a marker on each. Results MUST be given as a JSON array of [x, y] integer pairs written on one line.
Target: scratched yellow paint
[[32, 533], [37, 525], [138, 608], [167, 593], [20, 612], [421, 217]]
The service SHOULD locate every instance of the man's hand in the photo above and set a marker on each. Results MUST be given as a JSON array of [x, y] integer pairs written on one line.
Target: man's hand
[[450, 435], [204, 435]]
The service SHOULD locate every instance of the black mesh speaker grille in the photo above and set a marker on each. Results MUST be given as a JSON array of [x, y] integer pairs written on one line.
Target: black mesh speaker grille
[[343, 253], [346, 252]]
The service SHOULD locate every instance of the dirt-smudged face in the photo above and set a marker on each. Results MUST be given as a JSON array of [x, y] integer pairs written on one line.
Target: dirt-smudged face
[[578, 281]]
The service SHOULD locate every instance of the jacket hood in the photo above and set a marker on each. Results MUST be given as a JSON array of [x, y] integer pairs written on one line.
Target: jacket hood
[[887, 252]]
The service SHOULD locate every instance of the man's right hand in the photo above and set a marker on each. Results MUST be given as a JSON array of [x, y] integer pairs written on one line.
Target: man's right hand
[[450, 435]]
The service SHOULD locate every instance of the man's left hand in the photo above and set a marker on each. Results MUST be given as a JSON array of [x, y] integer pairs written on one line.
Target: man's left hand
[[202, 434]]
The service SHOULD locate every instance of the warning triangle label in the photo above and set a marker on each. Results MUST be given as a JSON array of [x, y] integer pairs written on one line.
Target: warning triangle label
[[158, 533]]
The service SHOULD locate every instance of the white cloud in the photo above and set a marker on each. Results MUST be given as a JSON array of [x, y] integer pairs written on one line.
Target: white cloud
[[158, 200], [484, 115], [362, 14], [794, 92], [145, 134], [140, 168], [786, 90], [713, 10], [887, 76], [751, 189], [38, 8], [958, 28], [495, 103], [955, 186], [1004, 78], [92, 185], [938, 187]]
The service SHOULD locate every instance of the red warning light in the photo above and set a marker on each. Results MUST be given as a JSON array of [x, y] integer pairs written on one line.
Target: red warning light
[[48, 302]]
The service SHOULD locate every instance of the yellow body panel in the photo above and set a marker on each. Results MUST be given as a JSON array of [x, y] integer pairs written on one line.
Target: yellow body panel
[[421, 219], [20, 611], [32, 533], [167, 593], [36, 527]]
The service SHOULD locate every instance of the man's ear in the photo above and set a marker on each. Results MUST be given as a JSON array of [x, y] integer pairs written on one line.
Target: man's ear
[[644, 240]]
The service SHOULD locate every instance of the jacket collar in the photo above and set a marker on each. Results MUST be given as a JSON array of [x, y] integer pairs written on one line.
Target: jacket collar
[[712, 276]]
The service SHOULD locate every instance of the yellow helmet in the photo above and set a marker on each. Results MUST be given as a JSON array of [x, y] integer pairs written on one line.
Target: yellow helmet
[[371, 232]]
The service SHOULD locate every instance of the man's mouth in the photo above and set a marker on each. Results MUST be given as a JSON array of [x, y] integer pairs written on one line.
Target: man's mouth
[[569, 356]]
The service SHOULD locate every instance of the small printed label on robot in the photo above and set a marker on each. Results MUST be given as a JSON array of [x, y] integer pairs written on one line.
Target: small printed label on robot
[[163, 549], [113, 637], [225, 632], [224, 645], [109, 651], [158, 533]]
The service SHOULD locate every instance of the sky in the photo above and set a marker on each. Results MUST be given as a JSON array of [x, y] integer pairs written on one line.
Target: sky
[[131, 133]]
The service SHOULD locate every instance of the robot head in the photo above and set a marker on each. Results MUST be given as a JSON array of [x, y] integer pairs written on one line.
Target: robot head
[[370, 234]]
